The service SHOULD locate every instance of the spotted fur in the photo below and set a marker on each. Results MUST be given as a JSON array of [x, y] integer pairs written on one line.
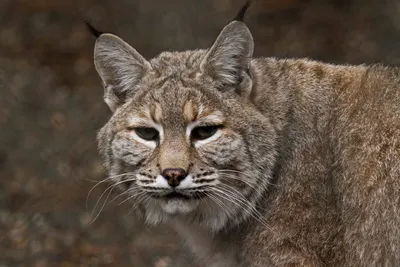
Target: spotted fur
[[302, 171]]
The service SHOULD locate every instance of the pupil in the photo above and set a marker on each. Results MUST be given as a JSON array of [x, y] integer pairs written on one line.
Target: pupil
[[206, 131], [203, 132], [147, 133]]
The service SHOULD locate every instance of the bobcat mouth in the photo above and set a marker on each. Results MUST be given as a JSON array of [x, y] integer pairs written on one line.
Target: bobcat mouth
[[177, 195], [174, 195]]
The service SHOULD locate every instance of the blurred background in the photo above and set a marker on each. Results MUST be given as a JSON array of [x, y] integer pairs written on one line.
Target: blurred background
[[51, 107]]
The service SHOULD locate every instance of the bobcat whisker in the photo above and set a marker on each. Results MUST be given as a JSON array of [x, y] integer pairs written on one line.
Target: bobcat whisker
[[242, 173], [98, 214], [240, 179], [214, 196], [129, 191], [111, 187], [142, 198], [229, 181], [240, 205], [202, 199], [243, 203], [140, 193], [103, 181]]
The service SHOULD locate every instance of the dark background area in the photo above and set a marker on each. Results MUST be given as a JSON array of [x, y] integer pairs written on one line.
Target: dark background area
[[51, 107]]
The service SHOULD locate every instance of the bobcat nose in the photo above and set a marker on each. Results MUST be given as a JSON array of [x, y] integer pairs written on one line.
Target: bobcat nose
[[174, 176]]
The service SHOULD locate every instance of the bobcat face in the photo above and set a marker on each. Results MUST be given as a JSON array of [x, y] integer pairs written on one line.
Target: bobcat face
[[177, 146], [183, 139]]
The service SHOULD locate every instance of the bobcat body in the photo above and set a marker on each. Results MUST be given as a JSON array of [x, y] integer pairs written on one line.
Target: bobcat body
[[256, 162]]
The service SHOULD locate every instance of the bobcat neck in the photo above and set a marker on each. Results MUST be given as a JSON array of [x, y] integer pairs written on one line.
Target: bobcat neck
[[210, 248]]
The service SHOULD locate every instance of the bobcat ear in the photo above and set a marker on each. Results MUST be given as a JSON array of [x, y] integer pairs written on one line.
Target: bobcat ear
[[228, 60], [120, 67]]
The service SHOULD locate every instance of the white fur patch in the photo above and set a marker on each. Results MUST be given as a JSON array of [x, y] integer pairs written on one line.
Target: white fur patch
[[161, 182], [160, 130], [137, 138], [200, 143], [190, 127], [186, 183], [175, 206]]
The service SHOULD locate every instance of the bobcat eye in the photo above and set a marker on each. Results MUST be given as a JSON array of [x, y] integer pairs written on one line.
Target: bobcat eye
[[146, 133], [203, 132]]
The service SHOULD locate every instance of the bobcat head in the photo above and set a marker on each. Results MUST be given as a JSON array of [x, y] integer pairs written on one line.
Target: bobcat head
[[184, 138]]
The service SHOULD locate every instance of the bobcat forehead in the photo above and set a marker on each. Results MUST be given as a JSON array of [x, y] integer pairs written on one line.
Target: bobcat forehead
[[146, 116], [138, 121], [173, 63], [156, 112], [198, 112], [190, 111], [211, 117]]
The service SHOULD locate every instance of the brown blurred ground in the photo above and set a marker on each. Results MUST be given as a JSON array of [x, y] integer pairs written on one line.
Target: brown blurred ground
[[51, 106]]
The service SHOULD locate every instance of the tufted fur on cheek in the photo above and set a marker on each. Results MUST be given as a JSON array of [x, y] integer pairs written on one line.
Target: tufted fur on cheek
[[128, 150], [224, 151]]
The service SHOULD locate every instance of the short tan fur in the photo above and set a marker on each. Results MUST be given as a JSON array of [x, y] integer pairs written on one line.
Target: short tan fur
[[257, 161]]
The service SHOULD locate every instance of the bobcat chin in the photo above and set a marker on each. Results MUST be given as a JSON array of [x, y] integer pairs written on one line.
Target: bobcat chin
[[256, 161]]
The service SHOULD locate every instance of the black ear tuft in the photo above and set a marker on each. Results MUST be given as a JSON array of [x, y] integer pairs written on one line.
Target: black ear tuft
[[95, 32], [242, 12]]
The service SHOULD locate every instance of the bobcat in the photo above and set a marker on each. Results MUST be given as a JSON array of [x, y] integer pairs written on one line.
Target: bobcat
[[256, 161]]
